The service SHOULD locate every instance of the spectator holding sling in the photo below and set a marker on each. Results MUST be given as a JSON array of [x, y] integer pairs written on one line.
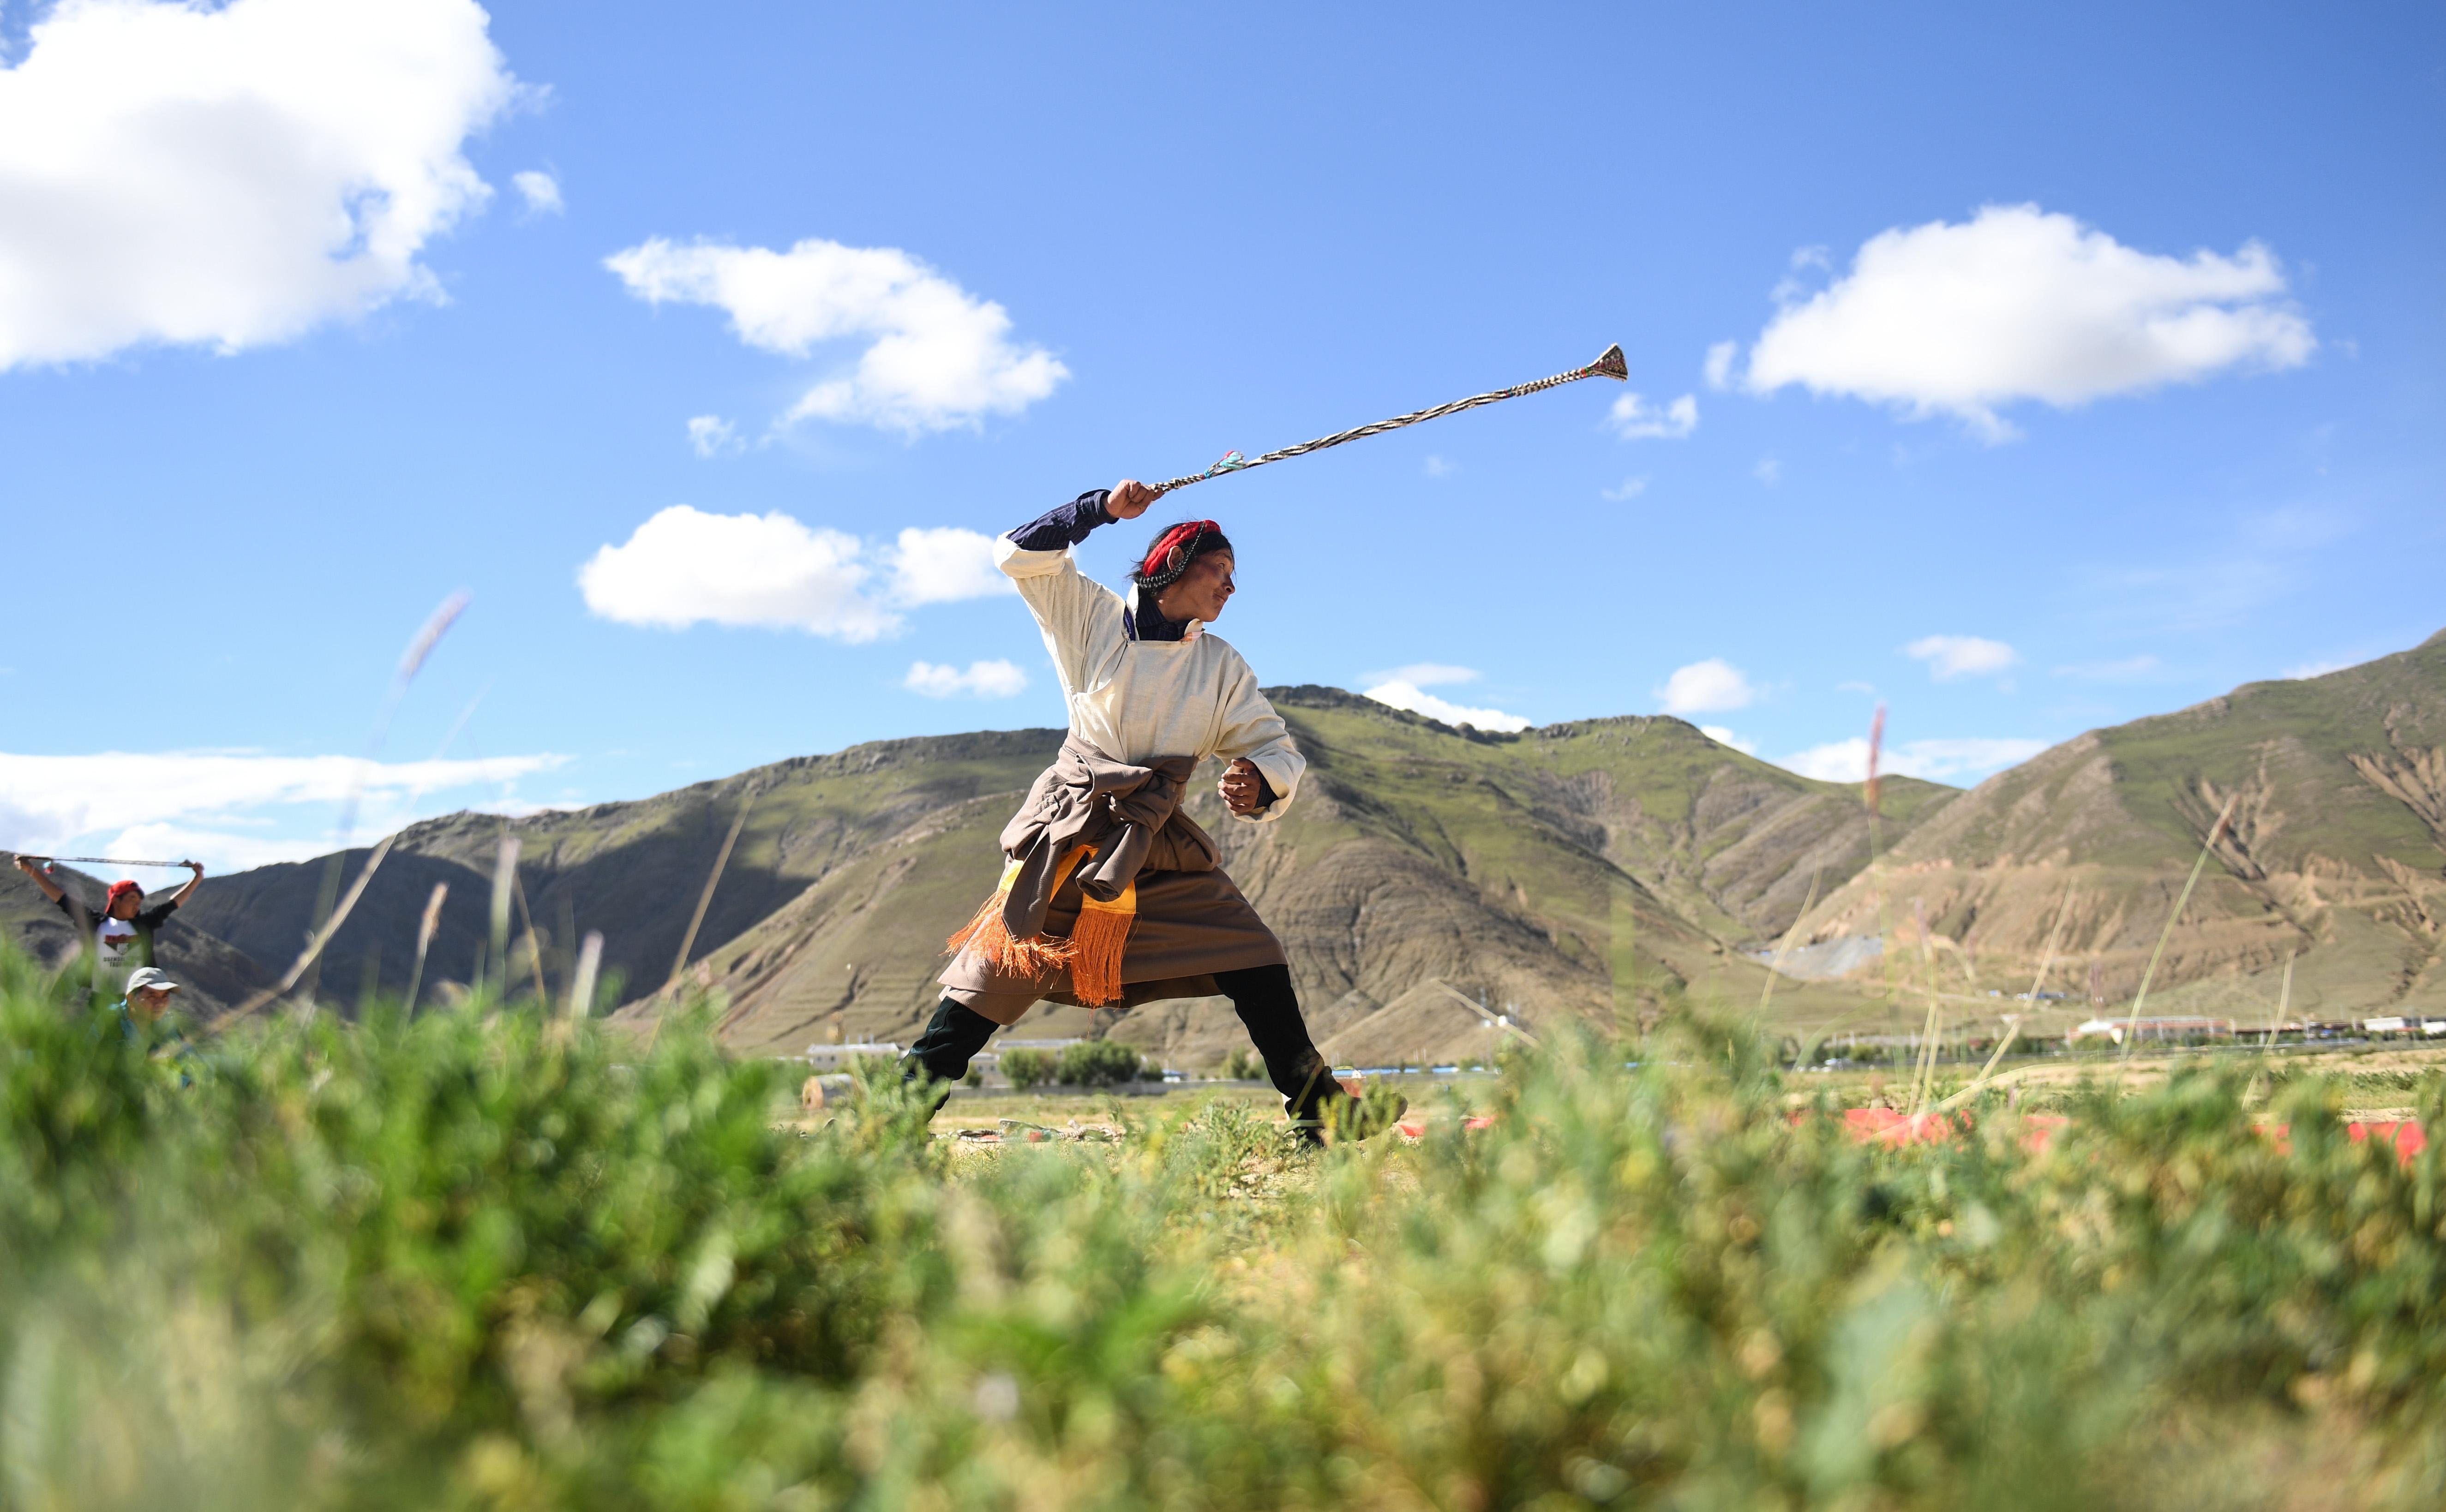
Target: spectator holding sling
[[122, 934]]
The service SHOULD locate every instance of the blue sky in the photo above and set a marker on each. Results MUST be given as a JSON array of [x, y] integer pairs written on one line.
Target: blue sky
[[2026, 369]]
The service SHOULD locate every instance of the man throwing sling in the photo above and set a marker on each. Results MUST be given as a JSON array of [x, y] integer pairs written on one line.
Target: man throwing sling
[[1111, 896]]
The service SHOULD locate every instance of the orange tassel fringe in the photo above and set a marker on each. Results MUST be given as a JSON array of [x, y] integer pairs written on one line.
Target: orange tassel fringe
[[1098, 942], [986, 934], [1092, 954]]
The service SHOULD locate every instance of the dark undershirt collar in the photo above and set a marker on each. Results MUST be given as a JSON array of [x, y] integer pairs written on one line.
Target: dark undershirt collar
[[1142, 621]]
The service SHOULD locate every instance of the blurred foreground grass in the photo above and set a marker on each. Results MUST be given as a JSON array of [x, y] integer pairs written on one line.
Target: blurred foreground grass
[[480, 1261]]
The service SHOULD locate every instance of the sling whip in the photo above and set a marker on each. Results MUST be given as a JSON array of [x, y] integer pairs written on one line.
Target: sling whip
[[112, 861], [1609, 365]]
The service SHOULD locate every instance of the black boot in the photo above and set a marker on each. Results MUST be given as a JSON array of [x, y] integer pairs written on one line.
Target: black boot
[[1267, 1005], [944, 1050]]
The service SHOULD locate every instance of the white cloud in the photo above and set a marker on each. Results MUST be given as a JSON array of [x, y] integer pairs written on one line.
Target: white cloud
[[1437, 467], [984, 680], [684, 567], [2314, 669], [2130, 669], [227, 809], [1427, 674], [1952, 656], [942, 566], [2016, 305], [1400, 695], [936, 358], [1836, 761], [1631, 488], [220, 850], [712, 436], [1706, 687], [1768, 471], [1633, 418], [540, 190], [1719, 364], [231, 176], [1723, 736], [1946, 760]]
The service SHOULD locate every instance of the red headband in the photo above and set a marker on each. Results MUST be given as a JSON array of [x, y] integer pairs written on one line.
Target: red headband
[[120, 890], [1172, 553]]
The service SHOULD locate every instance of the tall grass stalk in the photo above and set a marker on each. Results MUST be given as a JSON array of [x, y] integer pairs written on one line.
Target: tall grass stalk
[[1877, 886], [505, 872], [419, 647], [713, 880], [535, 940], [696, 919], [314, 950], [1775, 969], [2013, 1031], [1924, 1078], [2132, 1026], [424, 928], [581, 985]]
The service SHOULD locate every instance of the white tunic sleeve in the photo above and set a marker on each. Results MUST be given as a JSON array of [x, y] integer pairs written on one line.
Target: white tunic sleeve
[[1081, 619], [1253, 729]]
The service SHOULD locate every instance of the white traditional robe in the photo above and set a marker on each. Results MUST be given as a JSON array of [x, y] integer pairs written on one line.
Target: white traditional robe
[[1136, 700]]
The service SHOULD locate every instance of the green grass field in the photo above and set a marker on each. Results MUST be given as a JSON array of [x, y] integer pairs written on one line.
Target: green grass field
[[484, 1261]]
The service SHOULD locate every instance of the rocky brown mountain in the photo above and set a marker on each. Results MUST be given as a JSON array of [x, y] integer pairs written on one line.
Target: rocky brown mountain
[[2334, 858], [1595, 869], [1432, 880], [1601, 868]]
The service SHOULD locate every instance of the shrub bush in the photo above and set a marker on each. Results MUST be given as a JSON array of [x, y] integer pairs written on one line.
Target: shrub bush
[[483, 1261], [1027, 1068], [1097, 1063]]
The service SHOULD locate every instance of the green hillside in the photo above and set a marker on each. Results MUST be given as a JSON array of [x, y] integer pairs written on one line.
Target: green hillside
[[1430, 877], [1590, 870], [1602, 867], [633, 870]]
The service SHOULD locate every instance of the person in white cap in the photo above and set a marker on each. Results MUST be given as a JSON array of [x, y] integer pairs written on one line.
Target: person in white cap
[[147, 1014]]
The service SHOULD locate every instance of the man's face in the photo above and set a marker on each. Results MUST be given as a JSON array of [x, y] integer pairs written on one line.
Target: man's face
[[148, 1003], [127, 906], [1203, 590]]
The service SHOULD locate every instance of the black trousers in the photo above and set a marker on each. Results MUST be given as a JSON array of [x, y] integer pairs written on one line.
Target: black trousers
[[1261, 995]]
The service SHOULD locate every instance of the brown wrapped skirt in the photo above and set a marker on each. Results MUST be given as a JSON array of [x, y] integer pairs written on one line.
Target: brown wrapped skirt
[[1190, 926]]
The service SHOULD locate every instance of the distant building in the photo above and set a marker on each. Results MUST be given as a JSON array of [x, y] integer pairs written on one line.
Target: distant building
[[2169, 1027], [2398, 1025], [987, 1061], [840, 1057]]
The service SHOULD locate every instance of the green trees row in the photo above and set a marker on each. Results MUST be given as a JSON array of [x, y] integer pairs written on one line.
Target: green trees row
[[1088, 1063]]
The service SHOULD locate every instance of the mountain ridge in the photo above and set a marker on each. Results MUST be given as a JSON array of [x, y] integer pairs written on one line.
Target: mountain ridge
[[1597, 869], [1534, 867], [2331, 857]]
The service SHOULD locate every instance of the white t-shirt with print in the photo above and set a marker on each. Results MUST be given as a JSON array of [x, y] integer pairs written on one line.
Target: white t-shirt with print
[[114, 943]]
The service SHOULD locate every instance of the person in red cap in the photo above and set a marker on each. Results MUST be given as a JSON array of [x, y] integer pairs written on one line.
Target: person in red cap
[[1111, 894], [122, 934]]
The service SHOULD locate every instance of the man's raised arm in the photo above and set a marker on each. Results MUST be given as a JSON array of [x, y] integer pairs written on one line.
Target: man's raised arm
[[50, 888]]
